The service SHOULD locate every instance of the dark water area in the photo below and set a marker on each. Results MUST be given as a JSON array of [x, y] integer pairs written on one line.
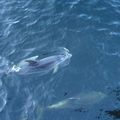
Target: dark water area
[[86, 89]]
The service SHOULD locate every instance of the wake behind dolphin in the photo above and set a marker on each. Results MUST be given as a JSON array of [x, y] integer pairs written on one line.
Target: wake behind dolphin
[[43, 66]]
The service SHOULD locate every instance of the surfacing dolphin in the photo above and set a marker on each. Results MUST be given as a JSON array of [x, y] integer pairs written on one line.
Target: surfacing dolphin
[[43, 66]]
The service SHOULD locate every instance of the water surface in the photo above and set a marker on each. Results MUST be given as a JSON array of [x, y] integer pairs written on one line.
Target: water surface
[[89, 29]]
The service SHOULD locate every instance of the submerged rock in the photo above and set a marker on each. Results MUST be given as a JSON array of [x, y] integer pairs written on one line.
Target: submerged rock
[[114, 113]]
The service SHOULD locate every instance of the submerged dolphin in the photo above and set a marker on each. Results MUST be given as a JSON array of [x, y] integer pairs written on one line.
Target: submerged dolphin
[[81, 100], [43, 66]]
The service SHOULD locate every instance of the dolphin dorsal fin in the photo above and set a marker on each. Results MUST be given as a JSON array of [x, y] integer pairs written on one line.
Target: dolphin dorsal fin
[[32, 62], [32, 58]]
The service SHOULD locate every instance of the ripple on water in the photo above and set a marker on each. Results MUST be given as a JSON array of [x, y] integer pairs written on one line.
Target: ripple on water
[[3, 93], [115, 34], [4, 65], [3, 99]]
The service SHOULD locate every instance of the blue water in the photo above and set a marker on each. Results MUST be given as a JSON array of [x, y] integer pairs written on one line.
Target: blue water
[[90, 29]]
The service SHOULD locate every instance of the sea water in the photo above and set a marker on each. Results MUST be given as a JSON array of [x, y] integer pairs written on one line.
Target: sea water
[[90, 29]]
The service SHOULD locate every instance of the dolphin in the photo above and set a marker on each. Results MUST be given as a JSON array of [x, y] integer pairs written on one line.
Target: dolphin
[[79, 101], [34, 65]]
